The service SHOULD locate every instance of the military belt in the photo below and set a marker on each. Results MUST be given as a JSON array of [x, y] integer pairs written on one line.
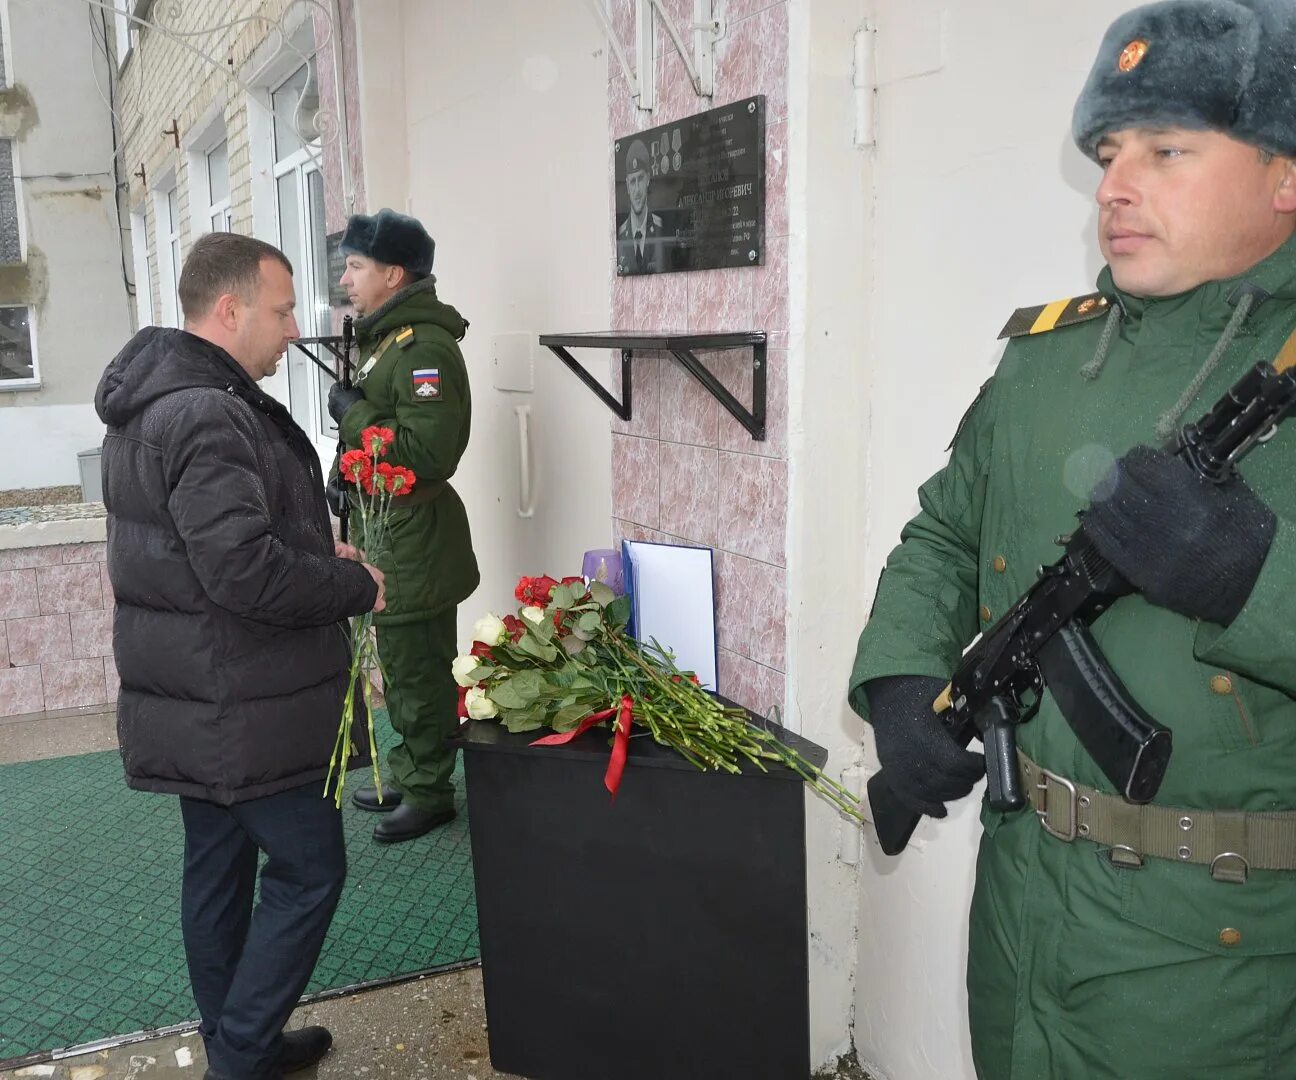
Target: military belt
[[422, 493], [1230, 842]]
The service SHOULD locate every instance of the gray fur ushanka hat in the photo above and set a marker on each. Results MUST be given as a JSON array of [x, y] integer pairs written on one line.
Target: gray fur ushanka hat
[[1224, 65], [391, 238]]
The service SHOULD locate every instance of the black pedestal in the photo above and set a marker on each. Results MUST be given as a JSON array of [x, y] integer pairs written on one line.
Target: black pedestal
[[659, 938]]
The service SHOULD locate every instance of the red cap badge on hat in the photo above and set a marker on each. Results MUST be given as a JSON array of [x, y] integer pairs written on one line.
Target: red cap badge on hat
[[1132, 55]]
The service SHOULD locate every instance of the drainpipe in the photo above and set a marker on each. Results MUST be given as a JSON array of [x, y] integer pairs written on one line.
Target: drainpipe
[[344, 140]]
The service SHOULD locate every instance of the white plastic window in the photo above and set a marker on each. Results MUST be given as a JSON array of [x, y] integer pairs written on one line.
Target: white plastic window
[[18, 366], [218, 188]]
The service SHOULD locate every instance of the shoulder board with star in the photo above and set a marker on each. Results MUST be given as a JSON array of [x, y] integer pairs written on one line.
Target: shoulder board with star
[[1045, 317]]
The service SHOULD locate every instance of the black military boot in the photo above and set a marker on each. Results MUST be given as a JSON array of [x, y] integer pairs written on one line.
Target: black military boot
[[367, 799], [408, 822]]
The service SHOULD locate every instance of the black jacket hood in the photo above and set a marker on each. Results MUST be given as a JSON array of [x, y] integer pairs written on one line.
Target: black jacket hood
[[158, 361]]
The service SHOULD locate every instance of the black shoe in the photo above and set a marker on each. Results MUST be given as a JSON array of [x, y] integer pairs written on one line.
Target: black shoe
[[408, 822], [302, 1048], [367, 799]]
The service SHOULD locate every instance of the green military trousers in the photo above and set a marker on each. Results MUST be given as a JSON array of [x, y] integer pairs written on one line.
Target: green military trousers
[[1078, 970], [422, 701]]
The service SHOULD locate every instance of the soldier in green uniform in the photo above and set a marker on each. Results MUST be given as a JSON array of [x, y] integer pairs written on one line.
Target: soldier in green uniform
[[1109, 940], [412, 379]]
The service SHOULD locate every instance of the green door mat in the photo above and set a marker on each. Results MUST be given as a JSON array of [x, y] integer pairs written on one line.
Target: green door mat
[[90, 904]]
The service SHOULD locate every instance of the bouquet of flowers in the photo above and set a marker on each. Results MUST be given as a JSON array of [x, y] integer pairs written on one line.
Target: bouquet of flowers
[[380, 484], [566, 662]]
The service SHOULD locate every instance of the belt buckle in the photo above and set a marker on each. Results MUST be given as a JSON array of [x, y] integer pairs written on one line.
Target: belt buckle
[[1043, 812]]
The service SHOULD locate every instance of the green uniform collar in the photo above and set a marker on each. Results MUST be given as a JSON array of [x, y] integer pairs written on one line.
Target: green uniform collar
[[1220, 310], [1210, 305], [414, 304]]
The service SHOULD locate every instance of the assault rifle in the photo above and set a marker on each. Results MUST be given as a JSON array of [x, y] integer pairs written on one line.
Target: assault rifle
[[1044, 640]]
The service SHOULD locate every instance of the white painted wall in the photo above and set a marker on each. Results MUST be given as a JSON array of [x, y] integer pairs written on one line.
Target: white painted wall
[[980, 204], [503, 133], [829, 275], [73, 244]]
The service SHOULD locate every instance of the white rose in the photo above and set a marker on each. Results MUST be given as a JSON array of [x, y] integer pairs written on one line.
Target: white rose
[[479, 706], [462, 669], [533, 614], [489, 630]]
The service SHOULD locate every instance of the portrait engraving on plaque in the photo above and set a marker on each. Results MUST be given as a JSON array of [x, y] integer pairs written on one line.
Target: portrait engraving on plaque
[[690, 195]]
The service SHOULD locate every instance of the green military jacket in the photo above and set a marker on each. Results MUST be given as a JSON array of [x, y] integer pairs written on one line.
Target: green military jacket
[[415, 382], [1077, 968], [1024, 462]]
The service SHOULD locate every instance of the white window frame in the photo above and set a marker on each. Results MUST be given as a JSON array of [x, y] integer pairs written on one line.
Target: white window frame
[[19, 209], [34, 383], [6, 48], [125, 33], [169, 245], [143, 275], [200, 192], [310, 320], [302, 163], [221, 207]]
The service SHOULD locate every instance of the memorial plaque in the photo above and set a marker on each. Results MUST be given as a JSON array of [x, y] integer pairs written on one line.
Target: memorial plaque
[[690, 195], [336, 268]]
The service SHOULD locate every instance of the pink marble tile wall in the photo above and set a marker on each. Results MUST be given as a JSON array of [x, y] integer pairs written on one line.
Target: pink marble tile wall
[[683, 469], [55, 629]]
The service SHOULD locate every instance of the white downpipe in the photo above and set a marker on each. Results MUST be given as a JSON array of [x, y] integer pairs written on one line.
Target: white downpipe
[[526, 496]]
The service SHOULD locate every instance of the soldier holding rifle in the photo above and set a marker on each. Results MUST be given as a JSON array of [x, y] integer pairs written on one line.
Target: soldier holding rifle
[[1109, 937]]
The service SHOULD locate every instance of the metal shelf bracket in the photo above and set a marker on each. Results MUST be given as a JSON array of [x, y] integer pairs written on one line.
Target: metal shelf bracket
[[684, 348]]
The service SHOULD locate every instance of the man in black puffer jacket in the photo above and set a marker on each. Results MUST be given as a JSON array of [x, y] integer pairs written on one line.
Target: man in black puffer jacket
[[231, 641]]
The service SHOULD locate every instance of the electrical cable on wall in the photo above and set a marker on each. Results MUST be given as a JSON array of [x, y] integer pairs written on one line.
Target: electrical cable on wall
[[118, 186]]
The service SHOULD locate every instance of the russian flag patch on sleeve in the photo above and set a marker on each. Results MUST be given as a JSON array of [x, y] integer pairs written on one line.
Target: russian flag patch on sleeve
[[427, 384]]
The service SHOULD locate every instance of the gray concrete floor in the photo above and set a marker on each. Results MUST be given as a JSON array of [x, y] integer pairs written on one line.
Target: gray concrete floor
[[36, 736], [432, 1028]]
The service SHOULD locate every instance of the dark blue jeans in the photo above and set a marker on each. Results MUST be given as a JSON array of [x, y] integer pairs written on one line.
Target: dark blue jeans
[[249, 967]]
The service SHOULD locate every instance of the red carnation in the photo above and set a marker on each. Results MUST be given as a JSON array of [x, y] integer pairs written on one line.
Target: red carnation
[[375, 440], [401, 480], [355, 466], [537, 590]]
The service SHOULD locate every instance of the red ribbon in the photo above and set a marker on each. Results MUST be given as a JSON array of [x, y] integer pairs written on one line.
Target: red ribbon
[[620, 745]]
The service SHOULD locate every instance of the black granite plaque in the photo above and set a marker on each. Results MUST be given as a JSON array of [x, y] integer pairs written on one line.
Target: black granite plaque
[[691, 195], [336, 268]]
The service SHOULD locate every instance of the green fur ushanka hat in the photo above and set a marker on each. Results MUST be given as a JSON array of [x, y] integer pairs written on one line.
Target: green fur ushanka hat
[[1224, 65]]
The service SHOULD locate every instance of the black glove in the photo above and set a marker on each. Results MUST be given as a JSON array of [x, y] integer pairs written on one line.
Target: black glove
[[1191, 546], [335, 497], [925, 767], [340, 399]]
